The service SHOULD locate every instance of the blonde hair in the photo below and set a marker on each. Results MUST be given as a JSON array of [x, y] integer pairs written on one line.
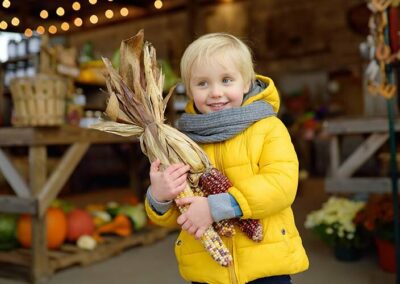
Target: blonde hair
[[223, 44]]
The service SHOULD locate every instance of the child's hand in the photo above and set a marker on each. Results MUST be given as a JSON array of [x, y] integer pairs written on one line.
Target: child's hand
[[167, 185], [197, 217]]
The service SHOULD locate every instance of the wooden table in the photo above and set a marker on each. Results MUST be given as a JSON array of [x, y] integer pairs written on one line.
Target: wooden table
[[340, 177], [35, 197]]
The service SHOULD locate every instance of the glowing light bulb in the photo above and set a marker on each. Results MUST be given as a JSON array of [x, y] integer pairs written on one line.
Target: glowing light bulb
[[15, 21], [60, 11], [93, 19], [78, 22], [44, 14], [65, 26], [28, 32], [76, 6], [124, 12], [3, 25], [158, 4], [52, 29], [92, 2], [6, 4], [109, 14], [40, 30]]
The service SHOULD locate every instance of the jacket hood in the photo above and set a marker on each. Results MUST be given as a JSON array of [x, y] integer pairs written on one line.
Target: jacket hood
[[269, 95]]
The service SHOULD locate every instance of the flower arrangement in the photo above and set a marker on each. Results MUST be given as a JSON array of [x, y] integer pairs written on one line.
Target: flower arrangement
[[377, 216], [333, 223]]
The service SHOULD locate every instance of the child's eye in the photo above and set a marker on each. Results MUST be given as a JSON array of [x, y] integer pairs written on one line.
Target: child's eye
[[202, 84], [227, 80]]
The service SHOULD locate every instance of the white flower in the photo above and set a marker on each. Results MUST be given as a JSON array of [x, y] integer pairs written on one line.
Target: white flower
[[338, 214]]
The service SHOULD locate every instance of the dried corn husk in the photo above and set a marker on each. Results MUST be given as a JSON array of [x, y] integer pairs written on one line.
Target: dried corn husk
[[136, 108]]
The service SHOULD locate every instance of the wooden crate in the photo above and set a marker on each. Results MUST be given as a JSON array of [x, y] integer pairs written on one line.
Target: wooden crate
[[69, 255]]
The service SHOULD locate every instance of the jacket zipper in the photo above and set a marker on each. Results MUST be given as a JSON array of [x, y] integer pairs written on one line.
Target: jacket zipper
[[229, 241]]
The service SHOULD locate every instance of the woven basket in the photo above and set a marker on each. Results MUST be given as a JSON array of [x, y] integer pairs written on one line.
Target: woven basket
[[39, 100]]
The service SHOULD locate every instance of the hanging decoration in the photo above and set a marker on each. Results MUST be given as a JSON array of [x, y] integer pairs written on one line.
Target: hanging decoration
[[380, 53]]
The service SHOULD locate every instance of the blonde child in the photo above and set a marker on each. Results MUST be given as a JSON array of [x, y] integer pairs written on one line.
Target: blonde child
[[232, 115]]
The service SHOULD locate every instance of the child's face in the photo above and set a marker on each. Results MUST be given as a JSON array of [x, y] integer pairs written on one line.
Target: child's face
[[217, 85]]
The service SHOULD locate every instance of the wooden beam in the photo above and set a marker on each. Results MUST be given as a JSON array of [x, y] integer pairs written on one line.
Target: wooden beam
[[13, 204], [358, 185], [358, 125], [335, 156], [15, 180], [15, 136], [361, 154], [60, 175], [37, 176]]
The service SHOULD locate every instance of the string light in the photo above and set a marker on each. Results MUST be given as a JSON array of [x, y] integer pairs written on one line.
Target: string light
[[15, 21], [65, 26], [3, 25], [78, 22], [158, 4], [76, 6], [6, 4], [44, 14], [28, 32], [40, 30], [124, 12], [52, 29], [93, 19], [109, 14], [60, 11]]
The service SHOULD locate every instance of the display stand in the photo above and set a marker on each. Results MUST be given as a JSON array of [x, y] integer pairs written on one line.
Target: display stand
[[340, 177], [35, 197]]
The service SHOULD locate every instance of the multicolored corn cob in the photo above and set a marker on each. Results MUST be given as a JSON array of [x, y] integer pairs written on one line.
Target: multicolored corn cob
[[214, 182]]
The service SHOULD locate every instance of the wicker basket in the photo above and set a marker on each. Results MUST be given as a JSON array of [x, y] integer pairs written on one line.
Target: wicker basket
[[39, 100]]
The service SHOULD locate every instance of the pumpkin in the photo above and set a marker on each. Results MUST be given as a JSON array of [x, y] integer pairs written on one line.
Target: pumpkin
[[79, 223], [56, 225]]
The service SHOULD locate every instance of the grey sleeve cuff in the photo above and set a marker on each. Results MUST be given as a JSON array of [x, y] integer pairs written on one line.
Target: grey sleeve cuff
[[221, 207], [159, 207]]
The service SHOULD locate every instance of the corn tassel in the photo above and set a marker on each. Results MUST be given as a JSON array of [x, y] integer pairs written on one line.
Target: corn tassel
[[214, 182], [136, 108]]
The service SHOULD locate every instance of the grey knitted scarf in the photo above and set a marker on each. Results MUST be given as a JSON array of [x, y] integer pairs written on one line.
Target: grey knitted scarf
[[225, 124]]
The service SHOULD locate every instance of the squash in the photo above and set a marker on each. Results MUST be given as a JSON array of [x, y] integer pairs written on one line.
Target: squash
[[79, 223], [120, 225], [56, 224]]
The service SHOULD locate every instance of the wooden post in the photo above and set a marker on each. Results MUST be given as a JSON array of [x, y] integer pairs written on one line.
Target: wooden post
[[335, 155], [37, 179]]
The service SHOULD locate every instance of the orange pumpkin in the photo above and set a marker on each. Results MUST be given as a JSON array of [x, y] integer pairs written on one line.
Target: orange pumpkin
[[56, 223]]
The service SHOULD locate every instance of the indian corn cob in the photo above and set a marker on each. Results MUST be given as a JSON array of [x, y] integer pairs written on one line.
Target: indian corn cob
[[213, 182], [136, 108]]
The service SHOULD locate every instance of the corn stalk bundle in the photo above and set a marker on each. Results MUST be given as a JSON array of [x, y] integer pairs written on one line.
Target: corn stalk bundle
[[136, 108]]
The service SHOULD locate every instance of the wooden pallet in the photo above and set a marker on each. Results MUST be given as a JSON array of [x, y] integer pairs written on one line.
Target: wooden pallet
[[69, 254]]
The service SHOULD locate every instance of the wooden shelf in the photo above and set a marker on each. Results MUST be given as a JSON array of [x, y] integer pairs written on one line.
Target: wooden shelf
[[20, 58]]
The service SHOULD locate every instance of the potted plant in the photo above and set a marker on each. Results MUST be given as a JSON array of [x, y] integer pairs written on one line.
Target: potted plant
[[333, 223], [378, 218]]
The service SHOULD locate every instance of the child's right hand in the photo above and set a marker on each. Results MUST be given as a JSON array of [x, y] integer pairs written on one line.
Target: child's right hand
[[166, 185]]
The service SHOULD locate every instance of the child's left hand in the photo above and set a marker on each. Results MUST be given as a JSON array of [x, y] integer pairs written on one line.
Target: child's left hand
[[197, 217]]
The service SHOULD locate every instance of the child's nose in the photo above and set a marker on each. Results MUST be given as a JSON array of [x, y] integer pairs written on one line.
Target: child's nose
[[216, 91]]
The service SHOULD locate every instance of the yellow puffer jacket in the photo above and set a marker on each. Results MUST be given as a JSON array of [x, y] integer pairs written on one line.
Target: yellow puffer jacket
[[262, 165]]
